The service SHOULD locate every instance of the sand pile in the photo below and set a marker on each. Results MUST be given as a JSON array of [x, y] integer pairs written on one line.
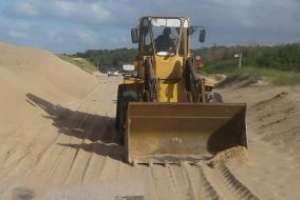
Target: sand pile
[[238, 153], [27, 70], [70, 151]]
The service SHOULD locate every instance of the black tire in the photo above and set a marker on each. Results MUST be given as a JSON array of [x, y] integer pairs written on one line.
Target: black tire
[[125, 96], [216, 98], [191, 83], [150, 84], [119, 109]]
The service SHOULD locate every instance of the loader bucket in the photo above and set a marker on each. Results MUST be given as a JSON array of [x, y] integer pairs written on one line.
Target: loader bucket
[[172, 133]]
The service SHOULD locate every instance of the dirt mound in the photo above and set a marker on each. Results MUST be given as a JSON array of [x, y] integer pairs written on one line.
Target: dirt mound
[[240, 81], [42, 71], [239, 153], [267, 102], [273, 114], [27, 70]]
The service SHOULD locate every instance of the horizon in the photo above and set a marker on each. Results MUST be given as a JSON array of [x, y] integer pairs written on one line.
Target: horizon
[[130, 48]]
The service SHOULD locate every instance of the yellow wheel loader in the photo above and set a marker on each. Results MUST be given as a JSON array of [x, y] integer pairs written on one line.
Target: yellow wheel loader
[[166, 111]]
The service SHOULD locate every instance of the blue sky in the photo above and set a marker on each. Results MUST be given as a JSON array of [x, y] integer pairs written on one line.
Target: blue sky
[[77, 25]]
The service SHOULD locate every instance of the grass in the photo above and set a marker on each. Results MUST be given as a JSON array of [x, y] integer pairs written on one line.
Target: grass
[[80, 62], [274, 76]]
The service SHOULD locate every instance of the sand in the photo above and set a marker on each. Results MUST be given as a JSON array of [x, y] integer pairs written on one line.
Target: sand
[[58, 140]]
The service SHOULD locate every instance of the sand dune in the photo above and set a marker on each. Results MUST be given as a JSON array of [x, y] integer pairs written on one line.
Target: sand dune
[[24, 70], [58, 140]]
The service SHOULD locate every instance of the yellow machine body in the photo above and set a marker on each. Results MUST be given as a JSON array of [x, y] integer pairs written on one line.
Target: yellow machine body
[[172, 129]]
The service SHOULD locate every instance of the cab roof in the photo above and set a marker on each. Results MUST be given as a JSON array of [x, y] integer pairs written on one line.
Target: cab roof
[[166, 17]]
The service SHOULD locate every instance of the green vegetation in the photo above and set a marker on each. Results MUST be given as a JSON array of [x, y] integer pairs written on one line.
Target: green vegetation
[[80, 62], [275, 76], [109, 59], [281, 57], [279, 64]]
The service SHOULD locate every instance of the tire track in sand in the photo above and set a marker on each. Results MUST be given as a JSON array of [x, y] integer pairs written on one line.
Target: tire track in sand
[[200, 185], [86, 146], [227, 184], [236, 186], [13, 169], [73, 121], [90, 118], [77, 123], [93, 148]]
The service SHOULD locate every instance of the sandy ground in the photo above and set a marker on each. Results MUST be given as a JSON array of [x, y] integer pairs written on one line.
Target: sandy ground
[[58, 140]]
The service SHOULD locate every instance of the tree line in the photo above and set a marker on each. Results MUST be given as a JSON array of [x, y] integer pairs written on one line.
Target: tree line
[[282, 57], [106, 60]]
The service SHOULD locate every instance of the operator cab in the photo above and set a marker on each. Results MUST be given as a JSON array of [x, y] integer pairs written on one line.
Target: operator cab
[[164, 36]]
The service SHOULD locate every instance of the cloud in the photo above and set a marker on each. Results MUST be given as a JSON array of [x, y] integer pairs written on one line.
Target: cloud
[[14, 30], [73, 25], [26, 8], [17, 34], [75, 11], [86, 12]]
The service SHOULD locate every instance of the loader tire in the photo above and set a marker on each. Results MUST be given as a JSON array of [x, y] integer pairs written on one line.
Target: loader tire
[[191, 82], [150, 84], [118, 111], [125, 96], [216, 98]]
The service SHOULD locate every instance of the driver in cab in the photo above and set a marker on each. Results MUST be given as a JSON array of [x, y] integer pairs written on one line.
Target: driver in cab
[[164, 42]]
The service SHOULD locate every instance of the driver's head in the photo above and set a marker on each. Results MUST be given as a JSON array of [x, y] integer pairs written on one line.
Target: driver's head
[[167, 31]]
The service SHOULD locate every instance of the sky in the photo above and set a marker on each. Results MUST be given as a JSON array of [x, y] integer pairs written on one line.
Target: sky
[[77, 25]]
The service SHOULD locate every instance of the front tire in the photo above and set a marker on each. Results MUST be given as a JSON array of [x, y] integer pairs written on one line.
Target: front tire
[[216, 97], [125, 95]]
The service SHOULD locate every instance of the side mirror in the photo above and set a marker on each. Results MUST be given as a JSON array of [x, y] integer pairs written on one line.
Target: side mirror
[[202, 35], [134, 35]]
